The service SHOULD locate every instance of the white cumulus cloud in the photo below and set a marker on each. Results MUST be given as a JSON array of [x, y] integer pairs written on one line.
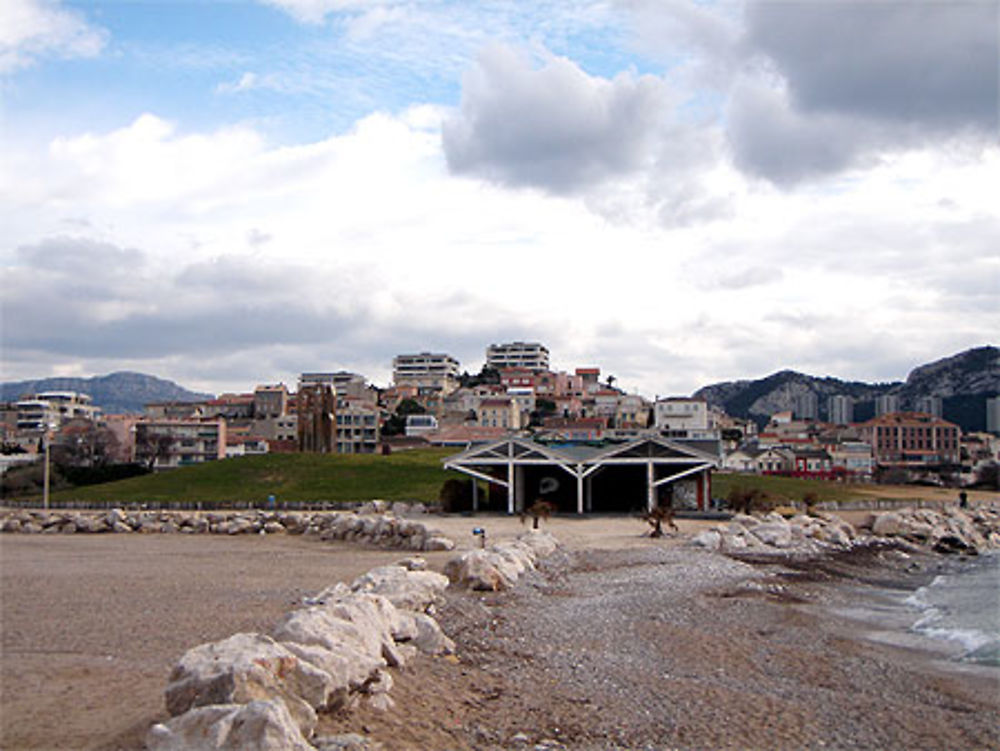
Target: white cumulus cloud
[[31, 30]]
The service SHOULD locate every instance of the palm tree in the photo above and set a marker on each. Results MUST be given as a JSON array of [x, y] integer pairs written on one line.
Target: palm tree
[[658, 517], [537, 511]]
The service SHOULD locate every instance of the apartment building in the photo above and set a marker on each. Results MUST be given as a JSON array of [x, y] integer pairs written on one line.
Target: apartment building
[[166, 444], [49, 409], [840, 409], [427, 370], [631, 412], [357, 427], [929, 405], [854, 458], [528, 355], [502, 412], [993, 415], [807, 406], [270, 402], [912, 438], [886, 404], [344, 383], [230, 406], [682, 417]]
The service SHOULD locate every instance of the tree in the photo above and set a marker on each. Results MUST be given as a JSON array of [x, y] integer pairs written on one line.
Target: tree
[[610, 380], [537, 511], [396, 423], [659, 516], [84, 443], [543, 408], [151, 446]]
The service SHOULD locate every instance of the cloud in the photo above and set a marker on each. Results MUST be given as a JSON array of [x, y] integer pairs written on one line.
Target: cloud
[[770, 139], [554, 126], [31, 30], [246, 82], [316, 11], [829, 86], [932, 63]]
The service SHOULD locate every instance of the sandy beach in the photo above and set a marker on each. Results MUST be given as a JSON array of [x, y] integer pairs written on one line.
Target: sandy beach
[[619, 641]]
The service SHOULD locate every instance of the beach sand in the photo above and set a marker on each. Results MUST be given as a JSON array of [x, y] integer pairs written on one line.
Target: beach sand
[[619, 641]]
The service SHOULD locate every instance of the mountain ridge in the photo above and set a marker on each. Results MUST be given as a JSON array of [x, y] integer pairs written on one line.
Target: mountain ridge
[[119, 392], [963, 382]]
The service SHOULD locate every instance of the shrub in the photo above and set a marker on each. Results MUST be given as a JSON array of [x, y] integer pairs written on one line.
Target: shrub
[[455, 496]]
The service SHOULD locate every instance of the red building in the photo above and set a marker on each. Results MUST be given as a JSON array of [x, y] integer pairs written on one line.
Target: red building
[[912, 439]]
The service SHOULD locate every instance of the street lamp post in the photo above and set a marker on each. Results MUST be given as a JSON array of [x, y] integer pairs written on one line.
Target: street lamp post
[[45, 473]]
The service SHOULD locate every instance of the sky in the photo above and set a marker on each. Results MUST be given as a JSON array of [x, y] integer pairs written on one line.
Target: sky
[[231, 193]]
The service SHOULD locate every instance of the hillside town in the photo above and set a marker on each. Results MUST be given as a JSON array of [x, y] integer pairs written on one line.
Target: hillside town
[[431, 401]]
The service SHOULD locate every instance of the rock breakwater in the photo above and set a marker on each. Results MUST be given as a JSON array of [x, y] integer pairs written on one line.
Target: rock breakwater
[[253, 691], [951, 530], [374, 528]]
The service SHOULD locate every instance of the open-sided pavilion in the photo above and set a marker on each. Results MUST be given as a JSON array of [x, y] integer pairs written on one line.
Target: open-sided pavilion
[[587, 478]]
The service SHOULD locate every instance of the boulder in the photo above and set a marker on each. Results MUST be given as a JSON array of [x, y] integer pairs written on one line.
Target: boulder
[[476, 570], [245, 668], [423, 632], [348, 667], [404, 588], [256, 726], [438, 542], [354, 621], [542, 543], [775, 533], [710, 539], [887, 524]]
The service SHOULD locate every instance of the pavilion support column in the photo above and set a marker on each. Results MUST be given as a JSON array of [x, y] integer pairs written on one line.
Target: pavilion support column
[[589, 493], [510, 488], [475, 494], [650, 488], [579, 492]]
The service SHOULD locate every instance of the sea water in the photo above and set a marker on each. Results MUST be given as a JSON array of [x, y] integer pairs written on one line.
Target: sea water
[[963, 607]]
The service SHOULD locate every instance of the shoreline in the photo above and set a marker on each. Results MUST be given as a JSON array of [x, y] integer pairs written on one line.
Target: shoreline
[[675, 648], [637, 644]]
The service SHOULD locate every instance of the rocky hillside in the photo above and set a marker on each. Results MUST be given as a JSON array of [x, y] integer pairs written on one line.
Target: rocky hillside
[[113, 393], [963, 381]]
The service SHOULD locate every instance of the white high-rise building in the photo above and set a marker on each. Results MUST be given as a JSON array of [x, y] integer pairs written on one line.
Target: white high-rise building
[[993, 415], [807, 406], [530, 355], [426, 370], [931, 405], [840, 409], [886, 405]]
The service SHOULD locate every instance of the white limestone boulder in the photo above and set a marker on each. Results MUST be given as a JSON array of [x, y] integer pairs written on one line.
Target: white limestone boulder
[[404, 588], [244, 668], [777, 534], [477, 570], [256, 726], [423, 632], [349, 668], [710, 539]]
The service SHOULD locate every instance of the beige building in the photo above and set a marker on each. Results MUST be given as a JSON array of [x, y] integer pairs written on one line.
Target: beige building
[[426, 370], [270, 402], [529, 355], [357, 427], [167, 444]]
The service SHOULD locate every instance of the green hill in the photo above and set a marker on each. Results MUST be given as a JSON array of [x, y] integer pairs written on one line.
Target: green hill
[[404, 476]]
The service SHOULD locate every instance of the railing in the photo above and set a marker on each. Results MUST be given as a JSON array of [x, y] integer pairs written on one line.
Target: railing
[[262, 505]]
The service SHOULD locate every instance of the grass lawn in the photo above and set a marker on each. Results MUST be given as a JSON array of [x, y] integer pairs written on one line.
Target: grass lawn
[[786, 488], [407, 475]]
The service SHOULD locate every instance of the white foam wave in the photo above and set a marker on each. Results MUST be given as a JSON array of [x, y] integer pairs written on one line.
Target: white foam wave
[[970, 639]]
